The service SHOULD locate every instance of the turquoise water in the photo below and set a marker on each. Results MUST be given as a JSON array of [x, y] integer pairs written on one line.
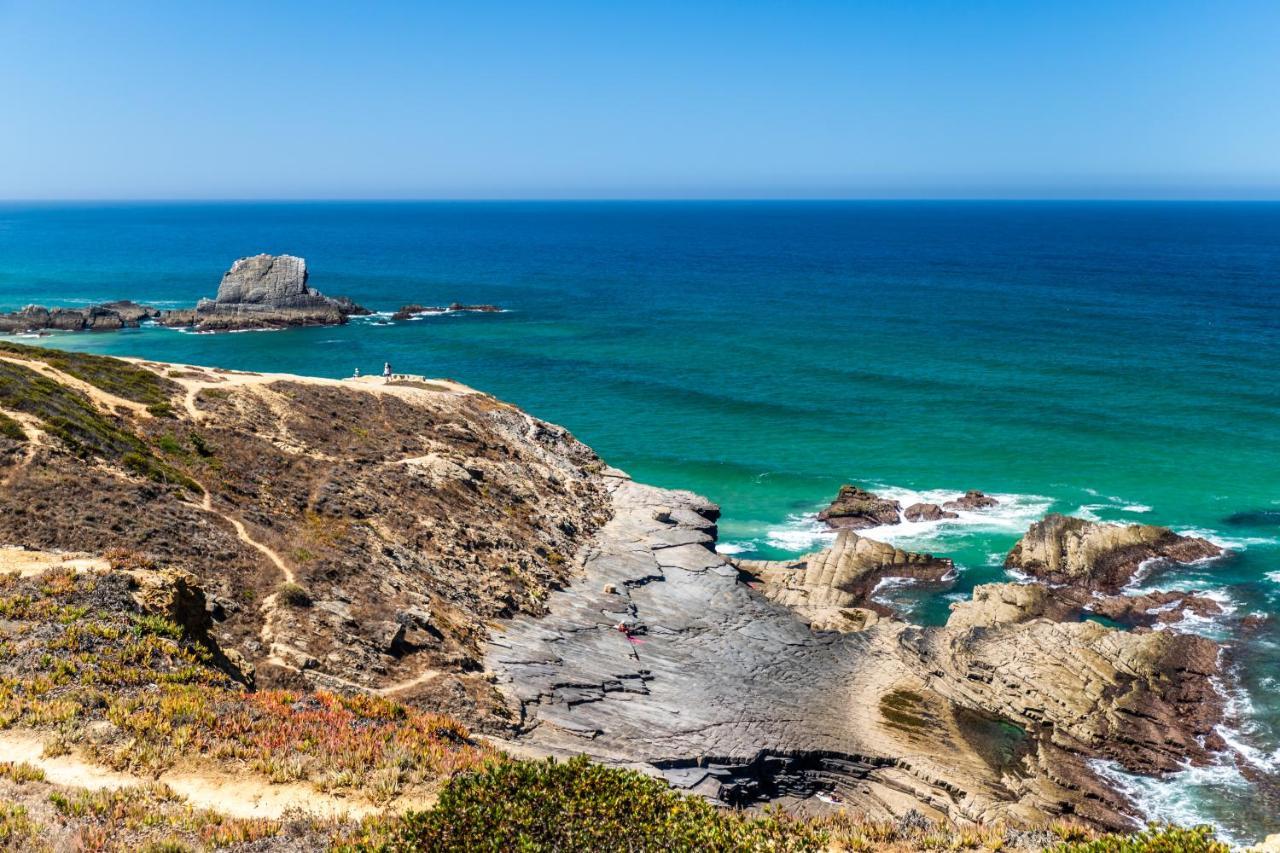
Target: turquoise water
[[1112, 360]]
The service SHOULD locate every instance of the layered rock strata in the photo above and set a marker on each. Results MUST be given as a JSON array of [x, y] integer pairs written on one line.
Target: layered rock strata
[[1105, 557], [263, 292], [660, 656], [831, 589]]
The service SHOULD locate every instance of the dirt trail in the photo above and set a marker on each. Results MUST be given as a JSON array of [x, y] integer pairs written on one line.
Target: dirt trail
[[31, 563], [242, 534], [97, 395], [236, 795]]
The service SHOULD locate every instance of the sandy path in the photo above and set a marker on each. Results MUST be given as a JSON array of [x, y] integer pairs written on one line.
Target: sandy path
[[238, 795], [31, 563]]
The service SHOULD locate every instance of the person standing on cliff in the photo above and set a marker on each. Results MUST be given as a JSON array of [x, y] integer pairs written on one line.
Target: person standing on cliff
[[386, 370]]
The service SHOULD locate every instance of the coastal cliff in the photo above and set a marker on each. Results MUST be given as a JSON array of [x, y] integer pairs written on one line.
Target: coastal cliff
[[422, 542]]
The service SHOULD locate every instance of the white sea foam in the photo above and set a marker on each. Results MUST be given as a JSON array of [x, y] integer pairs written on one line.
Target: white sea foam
[[1138, 508], [1172, 798], [883, 592], [800, 533], [1011, 515], [1089, 512], [731, 548], [1273, 576], [1233, 543]]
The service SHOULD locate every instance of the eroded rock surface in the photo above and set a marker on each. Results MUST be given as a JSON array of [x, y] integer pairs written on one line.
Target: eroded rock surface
[[109, 316], [856, 509], [1066, 550], [265, 291], [821, 586], [658, 655]]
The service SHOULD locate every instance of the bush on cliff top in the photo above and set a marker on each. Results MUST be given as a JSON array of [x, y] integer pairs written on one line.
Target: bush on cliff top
[[580, 806]]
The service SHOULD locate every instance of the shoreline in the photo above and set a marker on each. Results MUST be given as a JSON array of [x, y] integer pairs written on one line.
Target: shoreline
[[672, 558]]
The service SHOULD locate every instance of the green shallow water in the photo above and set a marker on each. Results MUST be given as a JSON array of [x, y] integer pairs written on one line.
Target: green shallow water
[[1115, 361]]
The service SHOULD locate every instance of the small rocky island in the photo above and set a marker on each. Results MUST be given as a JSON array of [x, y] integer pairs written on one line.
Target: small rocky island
[[265, 292], [258, 292]]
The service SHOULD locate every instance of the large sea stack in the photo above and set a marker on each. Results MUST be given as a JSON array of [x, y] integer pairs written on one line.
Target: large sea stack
[[265, 292]]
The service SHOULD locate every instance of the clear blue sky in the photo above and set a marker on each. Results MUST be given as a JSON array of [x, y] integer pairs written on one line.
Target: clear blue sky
[[639, 99]]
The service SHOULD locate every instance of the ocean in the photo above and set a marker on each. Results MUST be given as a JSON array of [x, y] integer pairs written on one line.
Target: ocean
[[1117, 361]]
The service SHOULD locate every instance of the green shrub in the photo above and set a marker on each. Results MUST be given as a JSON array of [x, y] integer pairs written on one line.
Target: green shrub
[[293, 595], [10, 428], [580, 806], [150, 624], [1154, 839]]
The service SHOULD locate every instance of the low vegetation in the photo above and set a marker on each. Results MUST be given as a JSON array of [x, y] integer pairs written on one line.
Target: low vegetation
[[81, 657], [10, 428], [1154, 839], [116, 377], [71, 417]]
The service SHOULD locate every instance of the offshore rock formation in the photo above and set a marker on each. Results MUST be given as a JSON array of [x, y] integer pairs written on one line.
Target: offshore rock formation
[[1065, 550], [265, 292], [927, 512], [408, 311], [971, 500], [856, 509], [261, 292], [831, 589], [109, 316]]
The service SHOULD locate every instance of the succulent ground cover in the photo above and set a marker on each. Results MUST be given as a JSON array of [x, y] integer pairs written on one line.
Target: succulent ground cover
[[82, 660]]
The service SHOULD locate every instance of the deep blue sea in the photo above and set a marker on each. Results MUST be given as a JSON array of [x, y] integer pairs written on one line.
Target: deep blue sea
[[1118, 361]]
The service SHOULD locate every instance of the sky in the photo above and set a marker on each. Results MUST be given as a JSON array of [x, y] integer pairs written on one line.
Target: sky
[[607, 99]]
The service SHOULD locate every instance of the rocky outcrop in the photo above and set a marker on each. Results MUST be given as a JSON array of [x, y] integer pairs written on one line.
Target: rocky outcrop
[[1065, 550], [1008, 603], [408, 311], [109, 316], [972, 501], [659, 655], [820, 587], [927, 512], [1145, 700], [350, 535], [260, 292], [857, 509], [265, 292]]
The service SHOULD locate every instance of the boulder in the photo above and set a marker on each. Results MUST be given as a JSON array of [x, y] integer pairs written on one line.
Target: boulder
[[971, 501], [1065, 550], [927, 512], [856, 509]]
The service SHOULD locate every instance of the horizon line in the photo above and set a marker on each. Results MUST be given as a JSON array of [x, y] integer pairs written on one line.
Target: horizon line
[[644, 199]]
